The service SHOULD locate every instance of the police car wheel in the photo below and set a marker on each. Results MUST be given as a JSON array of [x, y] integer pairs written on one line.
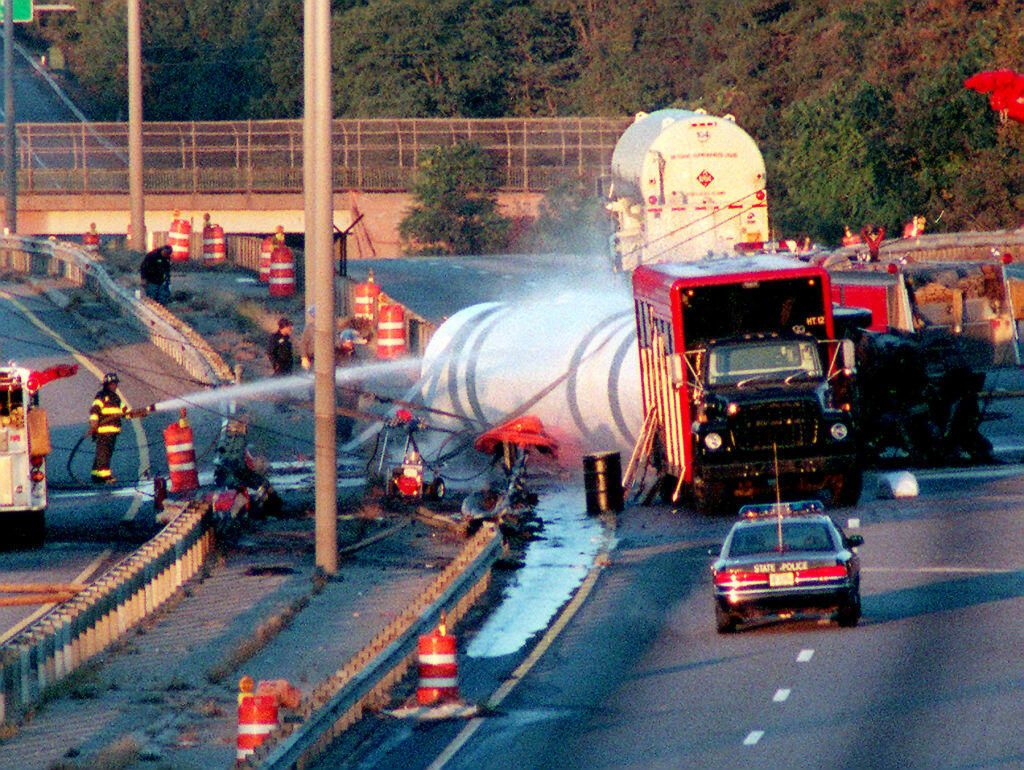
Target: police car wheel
[[849, 612], [725, 622]]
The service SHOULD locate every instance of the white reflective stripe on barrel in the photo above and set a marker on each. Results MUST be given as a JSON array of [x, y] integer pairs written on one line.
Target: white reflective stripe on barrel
[[437, 658], [438, 683]]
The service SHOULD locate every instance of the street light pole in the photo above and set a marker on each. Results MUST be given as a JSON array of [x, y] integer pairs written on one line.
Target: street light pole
[[10, 158], [319, 260], [137, 215]]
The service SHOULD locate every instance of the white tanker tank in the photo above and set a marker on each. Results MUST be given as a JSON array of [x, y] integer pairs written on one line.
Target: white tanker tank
[[684, 185], [571, 361]]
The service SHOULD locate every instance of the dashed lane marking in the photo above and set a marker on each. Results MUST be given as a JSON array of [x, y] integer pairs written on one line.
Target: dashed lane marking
[[753, 737], [804, 655], [781, 695]]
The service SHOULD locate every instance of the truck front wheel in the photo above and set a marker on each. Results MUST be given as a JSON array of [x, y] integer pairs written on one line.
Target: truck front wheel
[[846, 488], [709, 497]]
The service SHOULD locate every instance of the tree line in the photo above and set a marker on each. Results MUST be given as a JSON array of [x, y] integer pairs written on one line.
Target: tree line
[[858, 106]]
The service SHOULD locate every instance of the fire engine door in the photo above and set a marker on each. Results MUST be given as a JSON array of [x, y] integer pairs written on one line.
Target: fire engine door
[[6, 481]]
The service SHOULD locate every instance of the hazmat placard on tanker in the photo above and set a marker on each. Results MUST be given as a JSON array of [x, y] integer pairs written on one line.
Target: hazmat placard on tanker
[[685, 185]]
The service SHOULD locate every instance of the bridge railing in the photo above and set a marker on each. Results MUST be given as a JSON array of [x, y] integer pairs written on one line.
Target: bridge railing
[[531, 154]]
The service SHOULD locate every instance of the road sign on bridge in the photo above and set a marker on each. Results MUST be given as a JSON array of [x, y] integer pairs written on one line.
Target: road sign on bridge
[[22, 10]]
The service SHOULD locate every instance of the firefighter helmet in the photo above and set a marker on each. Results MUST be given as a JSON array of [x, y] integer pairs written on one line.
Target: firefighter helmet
[[110, 379]]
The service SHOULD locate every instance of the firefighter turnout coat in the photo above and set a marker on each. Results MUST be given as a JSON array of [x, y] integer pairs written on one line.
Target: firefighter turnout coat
[[106, 413]]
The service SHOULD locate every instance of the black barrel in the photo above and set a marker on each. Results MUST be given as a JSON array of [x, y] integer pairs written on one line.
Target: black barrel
[[602, 481]]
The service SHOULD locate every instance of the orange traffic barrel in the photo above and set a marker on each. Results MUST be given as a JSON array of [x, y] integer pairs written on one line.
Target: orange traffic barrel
[[438, 668], [366, 297], [282, 272], [266, 248], [390, 331], [179, 237], [91, 239], [214, 248], [181, 455], [257, 718]]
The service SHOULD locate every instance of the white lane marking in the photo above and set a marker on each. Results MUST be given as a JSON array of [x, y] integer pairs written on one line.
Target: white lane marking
[[853, 523], [781, 695], [81, 577], [753, 737], [944, 570], [804, 655], [946, 474]]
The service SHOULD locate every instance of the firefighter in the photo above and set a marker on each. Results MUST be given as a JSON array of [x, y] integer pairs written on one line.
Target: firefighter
[[280, 352], [872, 236], [155, 271], [105, 417]]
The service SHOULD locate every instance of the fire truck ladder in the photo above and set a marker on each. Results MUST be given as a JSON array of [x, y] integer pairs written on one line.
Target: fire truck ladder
[[641, 451]]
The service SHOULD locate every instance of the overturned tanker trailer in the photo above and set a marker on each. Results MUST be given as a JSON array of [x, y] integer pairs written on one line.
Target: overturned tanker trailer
[[570, 360]]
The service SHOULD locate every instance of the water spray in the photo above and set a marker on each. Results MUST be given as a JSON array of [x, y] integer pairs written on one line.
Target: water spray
[[301, 383]]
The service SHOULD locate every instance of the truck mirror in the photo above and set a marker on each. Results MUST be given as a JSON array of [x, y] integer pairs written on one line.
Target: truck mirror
[[675, 369], [849, 355]]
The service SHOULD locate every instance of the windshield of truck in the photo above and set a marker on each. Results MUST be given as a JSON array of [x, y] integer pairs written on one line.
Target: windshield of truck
[[769, 360]]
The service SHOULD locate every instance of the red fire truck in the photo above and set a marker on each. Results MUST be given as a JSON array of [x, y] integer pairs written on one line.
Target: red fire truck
[[24, 445], [746, 391]]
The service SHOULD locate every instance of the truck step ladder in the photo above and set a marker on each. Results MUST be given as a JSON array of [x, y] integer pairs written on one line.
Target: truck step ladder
[[641, 451]]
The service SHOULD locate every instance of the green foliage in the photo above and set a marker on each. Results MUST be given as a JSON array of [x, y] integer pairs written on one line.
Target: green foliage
[[420, 58], [456, 211], [858, 106]]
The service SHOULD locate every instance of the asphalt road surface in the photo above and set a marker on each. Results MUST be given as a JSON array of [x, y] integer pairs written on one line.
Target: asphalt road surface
[[87, 527], [640, 679]]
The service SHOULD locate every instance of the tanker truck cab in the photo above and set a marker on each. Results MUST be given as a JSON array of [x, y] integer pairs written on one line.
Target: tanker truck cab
[[767, 398], [751, 394], [24, 444]]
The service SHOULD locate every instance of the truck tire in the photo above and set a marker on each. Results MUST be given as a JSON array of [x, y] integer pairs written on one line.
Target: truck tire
[[31, 529], [709, 497], [846, 488]]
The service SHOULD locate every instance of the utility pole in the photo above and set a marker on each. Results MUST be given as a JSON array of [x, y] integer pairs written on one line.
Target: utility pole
[[319, 261], [137, 215], [10, 157]]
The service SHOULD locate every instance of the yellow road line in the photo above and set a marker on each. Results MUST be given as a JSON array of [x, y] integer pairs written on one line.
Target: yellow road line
[[140, 436], [82, 577], [531, 660]]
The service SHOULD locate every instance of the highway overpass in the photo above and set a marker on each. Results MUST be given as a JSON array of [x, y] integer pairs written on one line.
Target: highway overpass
[[248, 174]]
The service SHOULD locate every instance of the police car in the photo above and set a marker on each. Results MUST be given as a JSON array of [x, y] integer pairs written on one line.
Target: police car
[[783, 560]]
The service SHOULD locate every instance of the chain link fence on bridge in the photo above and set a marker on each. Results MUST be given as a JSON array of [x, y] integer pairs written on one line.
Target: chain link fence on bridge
[[373, 155]]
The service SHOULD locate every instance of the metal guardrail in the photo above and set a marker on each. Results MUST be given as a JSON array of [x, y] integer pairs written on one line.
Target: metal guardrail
[[339, 702], [59, 642], [42, 256], [951, 247], [69, 635], [374, 155]]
